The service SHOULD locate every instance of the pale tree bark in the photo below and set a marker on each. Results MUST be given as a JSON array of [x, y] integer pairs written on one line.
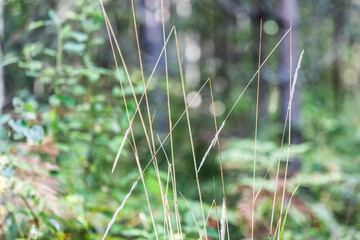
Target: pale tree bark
[[288, 17], [260, 12], [151, 38], [339, 16], [2, 84]]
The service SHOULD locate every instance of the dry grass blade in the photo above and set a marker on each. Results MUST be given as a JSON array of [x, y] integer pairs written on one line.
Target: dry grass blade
[[150, 78], [256, 128], [279, 155], [190, 133], [109, 29], [223, 220], [278, 167], [169, 175], [255, 74], [289, 108], [122, 204], [119, 209], [192, 214], [112, 35], [250, 81], [150, 140], [212, 144], [148, 111], [176, 123], [220, 159], [120, 148], [217, 221], [208, 216], [177, 215], [150, 161]]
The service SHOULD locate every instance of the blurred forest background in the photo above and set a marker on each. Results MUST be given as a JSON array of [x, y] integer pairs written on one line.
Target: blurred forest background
[[63, 116]]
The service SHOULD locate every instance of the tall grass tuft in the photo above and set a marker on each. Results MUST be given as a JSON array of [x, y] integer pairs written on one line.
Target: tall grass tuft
[[176, 232]]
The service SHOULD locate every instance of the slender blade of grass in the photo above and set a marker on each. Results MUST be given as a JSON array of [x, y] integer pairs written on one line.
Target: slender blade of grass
[[256, 129]]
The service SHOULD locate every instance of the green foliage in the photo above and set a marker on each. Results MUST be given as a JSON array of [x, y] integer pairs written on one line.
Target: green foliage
[[76, 123], [62, 130]]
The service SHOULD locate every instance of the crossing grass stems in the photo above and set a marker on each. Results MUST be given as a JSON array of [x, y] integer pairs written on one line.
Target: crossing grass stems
[[176, 232]]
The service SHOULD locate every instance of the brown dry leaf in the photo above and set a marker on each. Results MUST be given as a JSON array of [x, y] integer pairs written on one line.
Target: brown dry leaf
[[47, 147]]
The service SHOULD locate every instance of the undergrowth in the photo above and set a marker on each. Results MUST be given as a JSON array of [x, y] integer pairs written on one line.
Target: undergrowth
[[171, 217], [78, 127]]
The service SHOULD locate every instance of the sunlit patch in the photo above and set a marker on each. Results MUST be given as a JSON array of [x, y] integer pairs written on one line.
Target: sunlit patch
[[220, 84], [183, 8], [192, 75], [193, 50], [350, 77], [158, 15], [271, 27], [33, 234], [219, 108], [3, 184], [273, 102], [243, 21], [197, 101]]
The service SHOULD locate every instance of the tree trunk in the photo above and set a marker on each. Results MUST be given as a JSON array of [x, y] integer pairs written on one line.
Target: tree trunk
[[151, 37], [259, 12], [338, 19], [2, 84], [288, 10]]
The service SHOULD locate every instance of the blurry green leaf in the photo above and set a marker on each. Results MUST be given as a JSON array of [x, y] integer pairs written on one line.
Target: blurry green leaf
[[9, 60], [17, 126], [79, 90], [54, 101], [4, 118], [74, 47], [37, 24], [18, 104], [35, 134], [55, 224], [97, 41], [30, 106], [79, 36], [53, 17], [116, 91], [67, 101], [136, 233], [66, 31], [8, 172], [49, 71], [50, 52], [35, 65], [33, 50]]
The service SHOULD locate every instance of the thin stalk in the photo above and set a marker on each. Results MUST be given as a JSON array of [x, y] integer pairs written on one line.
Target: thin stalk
[[208, 216], [127, 73], [217, 220], [59, 51], [289, 136], [190, 134], [242, 93], [289, 107], [148, 108], [177, 215], [150, 161], [219, 151], [192, 214], [129, 120], [256, 129], [169, 176]]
